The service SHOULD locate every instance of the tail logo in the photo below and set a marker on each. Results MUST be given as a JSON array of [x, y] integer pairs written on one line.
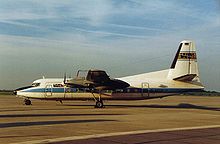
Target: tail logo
[[187, 56]]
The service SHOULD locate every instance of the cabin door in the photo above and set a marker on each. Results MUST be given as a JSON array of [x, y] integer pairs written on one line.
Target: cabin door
[[48, 90], [145, 89]]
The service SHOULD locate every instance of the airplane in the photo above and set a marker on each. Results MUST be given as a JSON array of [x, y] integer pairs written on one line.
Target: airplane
[[181, 77]]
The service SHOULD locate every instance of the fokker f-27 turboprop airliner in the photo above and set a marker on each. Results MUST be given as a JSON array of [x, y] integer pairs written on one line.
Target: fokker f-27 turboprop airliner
[[183, 76]]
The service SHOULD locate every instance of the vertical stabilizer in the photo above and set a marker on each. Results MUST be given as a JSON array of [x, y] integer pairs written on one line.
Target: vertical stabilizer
[[184, 66]]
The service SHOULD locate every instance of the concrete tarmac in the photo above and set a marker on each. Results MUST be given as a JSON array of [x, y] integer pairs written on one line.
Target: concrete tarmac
[[193, 136], [51, 120]]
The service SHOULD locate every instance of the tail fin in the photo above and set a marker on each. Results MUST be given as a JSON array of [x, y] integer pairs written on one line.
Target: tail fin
[[184, 66]]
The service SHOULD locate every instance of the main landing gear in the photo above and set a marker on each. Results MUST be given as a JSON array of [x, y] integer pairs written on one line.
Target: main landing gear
[[99, 102], [27, 102]]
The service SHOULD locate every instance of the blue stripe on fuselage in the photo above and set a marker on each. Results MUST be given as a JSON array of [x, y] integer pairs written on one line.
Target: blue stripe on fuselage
[[128, 90]]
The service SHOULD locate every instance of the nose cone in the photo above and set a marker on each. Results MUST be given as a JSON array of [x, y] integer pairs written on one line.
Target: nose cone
[[19, 91]]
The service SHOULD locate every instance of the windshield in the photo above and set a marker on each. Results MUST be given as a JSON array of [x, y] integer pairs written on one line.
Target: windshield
[[35, 84]]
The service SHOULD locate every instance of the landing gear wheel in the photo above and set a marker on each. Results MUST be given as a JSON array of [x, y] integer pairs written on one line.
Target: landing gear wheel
[[27, 102], [99, 104]]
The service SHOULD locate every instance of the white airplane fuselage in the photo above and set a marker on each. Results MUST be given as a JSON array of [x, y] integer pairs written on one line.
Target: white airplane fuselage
[[182, 77], [53, 89]]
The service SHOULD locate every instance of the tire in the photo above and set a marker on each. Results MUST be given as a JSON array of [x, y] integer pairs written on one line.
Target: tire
[[27, 102], [99, 104]]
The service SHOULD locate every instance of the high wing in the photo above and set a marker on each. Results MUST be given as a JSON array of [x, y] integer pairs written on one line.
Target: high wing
[[96, 80]]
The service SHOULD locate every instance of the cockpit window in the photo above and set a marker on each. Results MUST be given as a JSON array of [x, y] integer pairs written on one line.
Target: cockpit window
[[35, 84]]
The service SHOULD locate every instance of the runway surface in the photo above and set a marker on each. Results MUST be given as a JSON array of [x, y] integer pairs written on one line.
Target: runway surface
[[195, 136], [50, 120]]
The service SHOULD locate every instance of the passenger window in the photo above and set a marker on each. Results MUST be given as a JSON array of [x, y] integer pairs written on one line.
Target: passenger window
[[57, 85]]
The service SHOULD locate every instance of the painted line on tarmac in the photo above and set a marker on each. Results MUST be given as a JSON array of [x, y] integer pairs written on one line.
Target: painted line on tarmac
[[45, 141]]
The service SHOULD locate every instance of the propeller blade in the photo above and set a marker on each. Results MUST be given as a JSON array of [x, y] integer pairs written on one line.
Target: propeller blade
[[64, 79]]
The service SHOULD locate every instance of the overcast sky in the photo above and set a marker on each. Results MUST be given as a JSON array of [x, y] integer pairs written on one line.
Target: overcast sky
[[124, 37]]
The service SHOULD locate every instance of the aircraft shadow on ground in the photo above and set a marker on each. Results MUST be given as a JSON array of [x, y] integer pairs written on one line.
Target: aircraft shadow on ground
[[43, 109], [41, 123], [54, 115], [179, 106]]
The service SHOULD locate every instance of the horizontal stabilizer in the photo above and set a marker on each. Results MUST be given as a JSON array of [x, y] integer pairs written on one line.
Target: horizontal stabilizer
[[188, 77]]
